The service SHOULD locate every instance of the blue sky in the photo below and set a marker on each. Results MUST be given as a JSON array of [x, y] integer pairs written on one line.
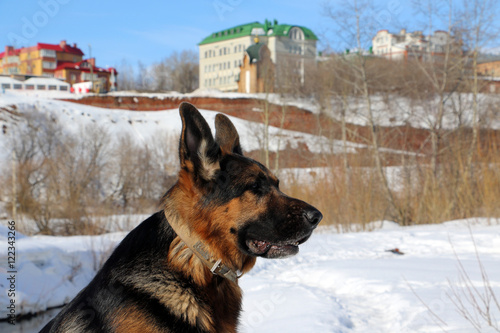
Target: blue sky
[[148, 31]]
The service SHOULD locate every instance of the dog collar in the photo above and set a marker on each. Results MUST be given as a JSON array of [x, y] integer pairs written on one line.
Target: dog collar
[[215, 266], [199, 249]]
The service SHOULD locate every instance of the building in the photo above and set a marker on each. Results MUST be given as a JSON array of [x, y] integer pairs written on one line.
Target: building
[[7, 82], [86, 71], [489, 68], [256, 70], [221, 53], [9, 61], [408, 45], [39, 60], [46, 83], [62, 61]]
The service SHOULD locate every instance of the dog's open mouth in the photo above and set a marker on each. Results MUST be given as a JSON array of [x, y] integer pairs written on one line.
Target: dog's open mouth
[[274, 250]]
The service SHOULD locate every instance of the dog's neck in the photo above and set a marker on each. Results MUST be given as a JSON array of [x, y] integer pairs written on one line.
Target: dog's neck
[[195, 244], [179, 223]]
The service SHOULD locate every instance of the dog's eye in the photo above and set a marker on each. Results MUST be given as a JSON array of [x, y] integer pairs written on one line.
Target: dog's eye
[[253, 187]]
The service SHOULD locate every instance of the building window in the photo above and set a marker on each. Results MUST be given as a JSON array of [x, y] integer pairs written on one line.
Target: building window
[[40, 87], [47, 53], [63, 88], [49, 65], [52, 87], [88, 77], [29, 87], [296, 33]]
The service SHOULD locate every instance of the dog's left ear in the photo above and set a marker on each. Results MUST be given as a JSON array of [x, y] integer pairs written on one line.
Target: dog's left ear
[[198, 151], [226, 135]]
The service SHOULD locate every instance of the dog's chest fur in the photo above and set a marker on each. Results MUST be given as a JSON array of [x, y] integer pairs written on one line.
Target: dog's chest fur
[[156, 295]]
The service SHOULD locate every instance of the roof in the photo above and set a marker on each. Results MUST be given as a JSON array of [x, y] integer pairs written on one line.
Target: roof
[[8, 79], [13, 52], [44, 46], [268, 28], [253, 51], [57, 47], [78, 66], [45, 81]]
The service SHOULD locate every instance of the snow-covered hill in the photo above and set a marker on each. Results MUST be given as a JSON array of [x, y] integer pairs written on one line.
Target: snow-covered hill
[[337, 283], [144, 125]]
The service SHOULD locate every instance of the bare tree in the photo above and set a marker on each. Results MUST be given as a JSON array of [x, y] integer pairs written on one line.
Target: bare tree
[[182, 68], [355, 25], [479, 28], [126, 78], [443, 72]]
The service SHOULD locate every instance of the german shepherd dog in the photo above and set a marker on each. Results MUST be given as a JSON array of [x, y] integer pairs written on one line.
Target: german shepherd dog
[[178, 270]]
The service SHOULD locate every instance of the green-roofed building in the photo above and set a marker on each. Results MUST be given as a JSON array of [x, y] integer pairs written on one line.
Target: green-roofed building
[[221, 53]]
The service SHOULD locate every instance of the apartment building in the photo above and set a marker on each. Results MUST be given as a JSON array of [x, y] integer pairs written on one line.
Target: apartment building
[[61, 61], [38, 60], [405, 45], [221, 53]]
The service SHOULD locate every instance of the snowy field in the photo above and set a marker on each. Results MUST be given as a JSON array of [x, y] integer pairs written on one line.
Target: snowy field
[[337, 283]]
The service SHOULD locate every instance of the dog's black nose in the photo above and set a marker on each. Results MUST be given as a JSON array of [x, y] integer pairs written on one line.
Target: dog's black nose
[[313, 215]]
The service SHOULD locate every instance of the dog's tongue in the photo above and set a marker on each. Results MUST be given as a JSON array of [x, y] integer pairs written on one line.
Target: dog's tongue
[[258, 247]]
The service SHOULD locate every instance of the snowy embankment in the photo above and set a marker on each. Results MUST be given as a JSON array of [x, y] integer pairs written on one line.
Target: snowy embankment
[[394, 110], [145, 126], [337, 283]]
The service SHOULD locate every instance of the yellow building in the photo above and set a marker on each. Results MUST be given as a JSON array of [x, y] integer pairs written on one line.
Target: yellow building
[[9, 61], [489, 68], [39, 60]]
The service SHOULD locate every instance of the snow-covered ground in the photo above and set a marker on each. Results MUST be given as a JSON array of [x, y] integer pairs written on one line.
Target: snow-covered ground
[[145, 125], [400, 111], [337, 283]]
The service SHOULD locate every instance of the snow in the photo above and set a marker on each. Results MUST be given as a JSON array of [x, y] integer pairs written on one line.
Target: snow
[[345, 282], [339, 282], [9, 80], [143, 126], [400, 111], [46, 81]]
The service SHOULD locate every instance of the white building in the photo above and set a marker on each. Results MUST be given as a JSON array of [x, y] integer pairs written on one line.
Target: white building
[[221, 53], [409, 44], [7, 82], [49, 84]]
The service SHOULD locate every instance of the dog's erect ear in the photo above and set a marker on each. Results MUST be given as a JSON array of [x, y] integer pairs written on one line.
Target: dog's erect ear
[[226, 135], [198, 151]]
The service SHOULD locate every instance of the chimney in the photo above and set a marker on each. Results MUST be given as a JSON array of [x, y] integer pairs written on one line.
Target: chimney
[[8, 50], [74, 45], [62, 44], [91, 61]]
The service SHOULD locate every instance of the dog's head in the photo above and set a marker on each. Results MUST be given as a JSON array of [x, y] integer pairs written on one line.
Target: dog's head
[[234, 202]]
